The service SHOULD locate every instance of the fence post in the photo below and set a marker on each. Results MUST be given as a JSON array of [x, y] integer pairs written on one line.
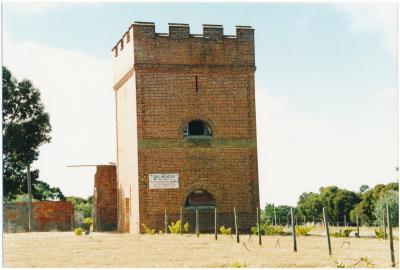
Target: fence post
[[259, 226], [165, 221], [358, 228], [389, 222], [327, 230], [384, 223], [181, 219], [293, 231], [197, 222], [216, 223], [274, 215], [236, 224], [345, 221]]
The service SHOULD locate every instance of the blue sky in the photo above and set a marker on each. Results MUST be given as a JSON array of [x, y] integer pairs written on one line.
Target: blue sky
[[326, 85]]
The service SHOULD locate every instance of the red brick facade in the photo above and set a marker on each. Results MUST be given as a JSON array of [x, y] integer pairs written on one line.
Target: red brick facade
[[105, 198], [46, 215], [163, 82]]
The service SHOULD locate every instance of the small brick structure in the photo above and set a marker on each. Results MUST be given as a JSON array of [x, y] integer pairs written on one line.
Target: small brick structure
[[105, 199], [168, 88], [47, 216]]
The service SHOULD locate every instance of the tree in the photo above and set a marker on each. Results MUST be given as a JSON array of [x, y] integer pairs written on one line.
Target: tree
[[364, 188], [26, 126], [43, 192], [365, 209], [282, 213], [310, 206], [82, 205], [390, 198]]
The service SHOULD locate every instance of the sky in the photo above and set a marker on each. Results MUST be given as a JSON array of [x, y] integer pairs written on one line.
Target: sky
[[326, 86]]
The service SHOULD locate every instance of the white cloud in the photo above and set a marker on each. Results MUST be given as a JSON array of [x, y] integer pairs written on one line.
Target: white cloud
[[77, 92], [36, 8], [380, 18], [30, 7], [300, 153]]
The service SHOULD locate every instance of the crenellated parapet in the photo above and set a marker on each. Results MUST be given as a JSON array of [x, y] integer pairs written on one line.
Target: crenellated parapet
[[179, 35]]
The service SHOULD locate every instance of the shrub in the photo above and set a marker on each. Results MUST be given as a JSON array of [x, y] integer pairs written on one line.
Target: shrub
[[273, 230], [186, 227], [342, 233], [225, 231], [303, 230], [88, 221], [266, 229], [148, 230], [380, 233], [78, 231], [175, 227]]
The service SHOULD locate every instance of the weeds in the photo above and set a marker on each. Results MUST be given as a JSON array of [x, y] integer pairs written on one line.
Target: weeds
[[303, 230], [225, 231], [380, 233], [342, 233], [148, 230], [78, 231]]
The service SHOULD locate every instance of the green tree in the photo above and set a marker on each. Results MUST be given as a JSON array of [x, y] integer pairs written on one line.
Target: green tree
[[82, 205], [338, 202], [365, 209], [26, 126], [282, 213], [390, 198], [310, 206], [44, 192], [364, 188]]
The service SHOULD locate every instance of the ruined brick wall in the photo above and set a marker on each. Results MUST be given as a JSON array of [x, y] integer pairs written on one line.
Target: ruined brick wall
[[180, 77], [47, 216], [105, 198]]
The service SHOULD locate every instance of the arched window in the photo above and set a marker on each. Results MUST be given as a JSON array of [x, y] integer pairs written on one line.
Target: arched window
[[200, 199], [197, 128]]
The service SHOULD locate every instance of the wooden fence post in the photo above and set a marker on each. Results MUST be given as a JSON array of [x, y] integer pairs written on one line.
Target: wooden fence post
[[358, 228], [274, 215], [327, 230], [197, 222], [236, 224], [389, 222], [345, 220], [293, 231], [165, 221], [181, 219], [259, 226], [384, 223], [215, 223]]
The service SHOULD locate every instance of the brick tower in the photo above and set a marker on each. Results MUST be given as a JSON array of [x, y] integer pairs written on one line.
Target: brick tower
[[186, 126]]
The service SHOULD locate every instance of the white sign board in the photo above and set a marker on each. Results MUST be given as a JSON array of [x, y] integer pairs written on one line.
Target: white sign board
[[163, 181]]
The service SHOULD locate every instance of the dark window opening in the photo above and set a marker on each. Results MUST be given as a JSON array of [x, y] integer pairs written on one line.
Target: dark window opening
[[200, 198], [197, 128]]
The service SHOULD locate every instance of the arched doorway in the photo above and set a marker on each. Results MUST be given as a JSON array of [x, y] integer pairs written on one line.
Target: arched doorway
[[201, 199]]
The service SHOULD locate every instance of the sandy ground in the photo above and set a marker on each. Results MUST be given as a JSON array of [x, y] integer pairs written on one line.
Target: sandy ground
[[64, 249]]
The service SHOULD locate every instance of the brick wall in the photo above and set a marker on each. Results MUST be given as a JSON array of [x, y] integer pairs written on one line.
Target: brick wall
[[47, 216], [105, 198], [179, 77]]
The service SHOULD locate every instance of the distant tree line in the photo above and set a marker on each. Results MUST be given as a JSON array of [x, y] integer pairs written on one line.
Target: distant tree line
[[341, 205]]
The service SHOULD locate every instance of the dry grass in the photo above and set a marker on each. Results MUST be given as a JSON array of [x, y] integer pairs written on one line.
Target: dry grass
[[64, 249]]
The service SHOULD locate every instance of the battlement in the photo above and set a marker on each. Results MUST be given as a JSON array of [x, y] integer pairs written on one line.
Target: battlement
[[181, 31]]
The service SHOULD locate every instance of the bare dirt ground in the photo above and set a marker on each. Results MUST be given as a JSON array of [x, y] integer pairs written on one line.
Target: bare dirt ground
[[64, 249]]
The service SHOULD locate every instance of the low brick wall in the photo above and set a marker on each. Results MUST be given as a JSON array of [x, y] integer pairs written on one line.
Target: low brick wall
[[47, 216]]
